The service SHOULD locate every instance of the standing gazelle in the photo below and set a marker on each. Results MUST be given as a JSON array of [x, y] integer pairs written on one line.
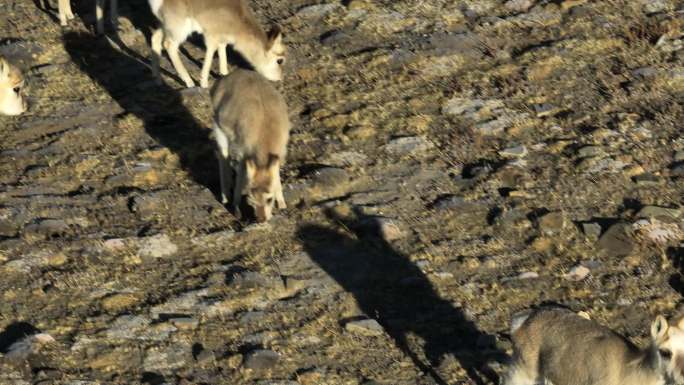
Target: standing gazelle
[[223, 23], [12, 101], [251, 129], [65, 13], [557, 346]]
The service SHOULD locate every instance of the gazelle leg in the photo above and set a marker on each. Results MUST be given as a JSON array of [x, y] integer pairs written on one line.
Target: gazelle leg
[[223, 59], [172, 48], [208, 59]]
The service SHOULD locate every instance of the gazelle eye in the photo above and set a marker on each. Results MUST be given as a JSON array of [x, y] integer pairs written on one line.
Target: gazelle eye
[[16, 89], [280, 61], [269, 201]]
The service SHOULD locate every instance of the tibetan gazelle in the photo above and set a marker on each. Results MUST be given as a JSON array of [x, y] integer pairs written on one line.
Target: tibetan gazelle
[[251, 129], [12, 101], [222, 23], [556, 346]]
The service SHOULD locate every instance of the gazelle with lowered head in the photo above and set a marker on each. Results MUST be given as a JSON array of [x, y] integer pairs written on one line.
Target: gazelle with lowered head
[[251, 129], [66, 14], [222, 23], [559, 347], [12, 101]]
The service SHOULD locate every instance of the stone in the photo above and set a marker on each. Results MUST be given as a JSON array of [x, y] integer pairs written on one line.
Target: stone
[[590, 151], [317, 11], [387, 228], [493, 127], [360, 132], [519, 5], [655, 6], [261, 359], [148, 205], [335, 38], [189, 302], [679, 156], [577, 273], [677, 169], [408, 145], [157, 246], [248, 280], [463, 44], [47, 228], [366, 327], [346, 159], [114, 244], [552, 223], [659, 212], [167, 358], [514, 152], [527, 275], [330, 177], [184, 323], [120, 301], [617, 241], [455, 202], [647, 179], [592, 230]]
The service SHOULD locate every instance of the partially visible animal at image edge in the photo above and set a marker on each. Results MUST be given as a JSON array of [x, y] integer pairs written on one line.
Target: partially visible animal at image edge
[[222, 23], [251, 129], [559, 347], [12, 101], [66, 14]]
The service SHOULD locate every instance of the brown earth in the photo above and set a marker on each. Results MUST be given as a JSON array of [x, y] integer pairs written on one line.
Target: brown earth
[[451, 163]]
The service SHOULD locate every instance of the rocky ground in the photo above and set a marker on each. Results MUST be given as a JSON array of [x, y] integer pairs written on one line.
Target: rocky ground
[[451, 163]]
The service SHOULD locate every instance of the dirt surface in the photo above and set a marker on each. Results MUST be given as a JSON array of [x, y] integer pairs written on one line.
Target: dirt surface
[[451, 163]]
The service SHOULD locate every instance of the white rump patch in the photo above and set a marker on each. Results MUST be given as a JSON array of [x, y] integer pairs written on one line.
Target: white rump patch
[[155, 5], [221, 141]]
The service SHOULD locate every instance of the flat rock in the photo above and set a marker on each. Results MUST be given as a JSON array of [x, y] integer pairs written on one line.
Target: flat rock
[[519, 5], [577, 273], [592, 230], [514, 152], [386, 228], [552, 223], [261, 359], [157, 246], [659, 212], [366, 327], [317, 11], [617, 240], [47, 228], [330, 177], [346, 159], [168, 358], [408, 145]]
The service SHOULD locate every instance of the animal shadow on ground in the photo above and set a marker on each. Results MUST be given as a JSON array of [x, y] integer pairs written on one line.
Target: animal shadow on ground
[[161, 108], [676, 257], [391, 289], [14, 333]]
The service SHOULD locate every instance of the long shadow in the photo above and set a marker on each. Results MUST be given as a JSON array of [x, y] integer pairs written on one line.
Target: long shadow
[[391, 289], [160, 107]]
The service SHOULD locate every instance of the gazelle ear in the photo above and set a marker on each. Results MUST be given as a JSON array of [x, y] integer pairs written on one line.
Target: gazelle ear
[[275, 36], [273, 164], [659, 329], [250, 169], [4, 69]]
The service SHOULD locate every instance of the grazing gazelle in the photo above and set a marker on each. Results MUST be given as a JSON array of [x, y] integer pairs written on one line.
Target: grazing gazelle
[[65, 13], [559, 347], [12, 101], [222, 23], [251, 129]]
